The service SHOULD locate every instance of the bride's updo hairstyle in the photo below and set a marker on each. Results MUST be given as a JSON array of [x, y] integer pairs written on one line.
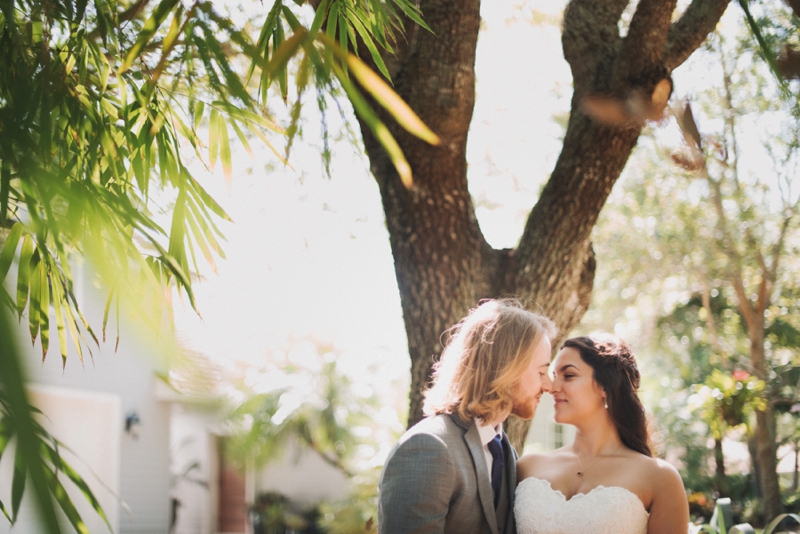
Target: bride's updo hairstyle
[[615, 371]]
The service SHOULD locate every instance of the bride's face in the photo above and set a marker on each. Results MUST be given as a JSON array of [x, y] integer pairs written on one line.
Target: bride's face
[[577, 396]]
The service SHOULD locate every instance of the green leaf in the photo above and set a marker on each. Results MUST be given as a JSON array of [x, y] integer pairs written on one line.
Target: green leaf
[[378, 129], [286, 51], [412, 12], [281, 72], [207, 199], [319, 16], [242, 138], [58, 303], [2, 506], [148, 30], [23, 273], [213, 139], [18, 482], [9, 249], [35, 286], [330, 30], [65, 503], [199, 107], [200, 238], [74, 332], [225, 149], [76, 479], [366, 36], [44, 308], [383, 94]]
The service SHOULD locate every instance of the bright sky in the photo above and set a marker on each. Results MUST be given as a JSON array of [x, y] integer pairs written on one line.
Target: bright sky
[[309, 255]]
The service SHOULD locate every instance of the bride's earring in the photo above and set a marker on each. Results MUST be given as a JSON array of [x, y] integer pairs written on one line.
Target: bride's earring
[[605, 403]]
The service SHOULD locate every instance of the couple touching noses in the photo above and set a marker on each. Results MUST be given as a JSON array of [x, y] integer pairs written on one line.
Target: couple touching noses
[[455, 471]]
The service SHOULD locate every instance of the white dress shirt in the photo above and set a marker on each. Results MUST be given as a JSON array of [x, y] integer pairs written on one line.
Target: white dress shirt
[[487, 434]]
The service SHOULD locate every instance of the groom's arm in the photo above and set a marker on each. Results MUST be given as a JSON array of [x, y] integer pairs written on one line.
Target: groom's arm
[[416, 487]]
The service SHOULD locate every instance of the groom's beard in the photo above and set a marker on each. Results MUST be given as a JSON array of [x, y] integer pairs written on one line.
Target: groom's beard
[[524, 408]]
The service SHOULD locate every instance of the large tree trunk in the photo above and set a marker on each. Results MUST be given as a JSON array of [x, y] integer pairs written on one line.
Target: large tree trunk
[[444, 265]]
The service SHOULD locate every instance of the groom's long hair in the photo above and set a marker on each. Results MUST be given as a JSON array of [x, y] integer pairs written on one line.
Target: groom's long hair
[[483, 360]]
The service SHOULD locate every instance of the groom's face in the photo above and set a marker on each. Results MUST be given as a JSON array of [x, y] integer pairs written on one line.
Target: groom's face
[[533, 382]]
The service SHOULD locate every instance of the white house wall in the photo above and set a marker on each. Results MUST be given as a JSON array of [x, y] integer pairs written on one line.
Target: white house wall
[[304, 477], [127, 376]]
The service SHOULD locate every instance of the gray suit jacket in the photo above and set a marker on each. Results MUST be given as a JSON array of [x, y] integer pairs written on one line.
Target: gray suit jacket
[[436, 481]]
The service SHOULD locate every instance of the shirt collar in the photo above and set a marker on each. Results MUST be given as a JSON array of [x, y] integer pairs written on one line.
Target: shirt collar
[[488, 432]]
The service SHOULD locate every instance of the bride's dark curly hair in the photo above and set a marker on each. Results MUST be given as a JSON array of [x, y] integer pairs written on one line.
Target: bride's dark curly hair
[[615, 371]]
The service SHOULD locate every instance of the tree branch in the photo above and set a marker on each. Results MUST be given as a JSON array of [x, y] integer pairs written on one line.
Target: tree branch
[[725, 242], [689, 32], [133, 11], [590, 34], [643, 46], [712, 328]]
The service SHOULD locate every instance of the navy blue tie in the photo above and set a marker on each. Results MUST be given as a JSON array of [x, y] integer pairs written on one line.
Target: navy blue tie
[[496, 448]]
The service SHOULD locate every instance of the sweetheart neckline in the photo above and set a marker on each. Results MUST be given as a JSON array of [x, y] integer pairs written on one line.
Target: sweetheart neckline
[[599, 487]]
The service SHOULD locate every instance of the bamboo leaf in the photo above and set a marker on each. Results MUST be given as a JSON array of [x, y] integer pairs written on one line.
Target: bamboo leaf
[[213, 139], [58, 303], [412, 12], [199, 108], [319, 16], [148, 30], [286, 51], [203, 221], [34, 310], [27, 461], [65, 503], [207, 199], [44, 308], [76, 479], [106, 310], [18, 482], [23, 273], [242, 138], [6, 513], [377, 127], [383, 94], [370, 44], [264, 139], [200, 239], [330, 29], [9, 249], [72, 325], [225, 149], [281, 72]]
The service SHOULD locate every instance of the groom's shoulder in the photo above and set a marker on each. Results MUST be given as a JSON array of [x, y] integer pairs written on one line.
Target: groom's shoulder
[[441, 425]]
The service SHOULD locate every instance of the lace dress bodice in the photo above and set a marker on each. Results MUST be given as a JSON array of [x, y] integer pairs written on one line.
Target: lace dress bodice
[[539, 509]]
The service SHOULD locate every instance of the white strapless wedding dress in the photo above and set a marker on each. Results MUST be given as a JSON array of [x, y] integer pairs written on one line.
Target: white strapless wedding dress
[[539, 509]]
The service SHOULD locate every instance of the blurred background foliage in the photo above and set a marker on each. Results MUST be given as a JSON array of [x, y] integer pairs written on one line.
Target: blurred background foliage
[[697, 260]]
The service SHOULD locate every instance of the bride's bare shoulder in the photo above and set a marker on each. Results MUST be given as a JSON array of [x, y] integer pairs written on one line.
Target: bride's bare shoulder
[[531, 464]]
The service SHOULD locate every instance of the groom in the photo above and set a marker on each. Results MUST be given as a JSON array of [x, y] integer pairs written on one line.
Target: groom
[[454, 472]]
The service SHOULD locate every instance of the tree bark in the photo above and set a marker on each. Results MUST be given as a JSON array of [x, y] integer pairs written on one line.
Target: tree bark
[[443, 264], [766, 452]]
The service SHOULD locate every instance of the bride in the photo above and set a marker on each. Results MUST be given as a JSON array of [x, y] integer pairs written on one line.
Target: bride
[[607, 481]]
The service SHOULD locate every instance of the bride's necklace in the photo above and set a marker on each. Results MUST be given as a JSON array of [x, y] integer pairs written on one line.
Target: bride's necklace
[[581, 470]]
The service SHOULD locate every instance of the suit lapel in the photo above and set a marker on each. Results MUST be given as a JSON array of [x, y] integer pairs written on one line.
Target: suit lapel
[[473, 441]]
